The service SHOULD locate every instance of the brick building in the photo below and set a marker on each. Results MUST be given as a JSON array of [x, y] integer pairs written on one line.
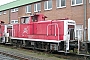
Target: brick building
[[53, 9]]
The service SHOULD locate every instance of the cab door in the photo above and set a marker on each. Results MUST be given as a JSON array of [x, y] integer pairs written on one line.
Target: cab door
[[71, 32]]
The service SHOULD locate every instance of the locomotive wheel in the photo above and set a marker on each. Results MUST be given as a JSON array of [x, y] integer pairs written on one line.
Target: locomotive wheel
[[83, 48]]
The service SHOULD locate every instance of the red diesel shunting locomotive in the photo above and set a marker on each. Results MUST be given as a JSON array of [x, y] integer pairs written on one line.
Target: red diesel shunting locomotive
[[37, 33]]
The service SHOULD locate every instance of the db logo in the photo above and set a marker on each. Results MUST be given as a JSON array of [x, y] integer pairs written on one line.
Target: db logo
[[25, 31]]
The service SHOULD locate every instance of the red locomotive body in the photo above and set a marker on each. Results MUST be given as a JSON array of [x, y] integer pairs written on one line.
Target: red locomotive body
[[55, 30], [43, 34]]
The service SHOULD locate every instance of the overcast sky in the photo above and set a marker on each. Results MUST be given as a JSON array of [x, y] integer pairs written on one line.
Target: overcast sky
[[5, 1]]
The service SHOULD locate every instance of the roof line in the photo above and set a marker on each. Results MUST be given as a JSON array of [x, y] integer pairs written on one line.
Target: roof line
[[8, 3], [16, 3]]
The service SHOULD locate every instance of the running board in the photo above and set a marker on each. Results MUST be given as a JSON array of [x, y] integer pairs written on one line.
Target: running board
[[84, 55], [8, 43], [63, 51]]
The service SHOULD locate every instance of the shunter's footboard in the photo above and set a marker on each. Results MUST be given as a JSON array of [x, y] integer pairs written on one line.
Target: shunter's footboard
[[88, 47]]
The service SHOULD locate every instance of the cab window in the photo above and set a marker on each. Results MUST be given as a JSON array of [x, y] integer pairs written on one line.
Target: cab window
[[25, 20]]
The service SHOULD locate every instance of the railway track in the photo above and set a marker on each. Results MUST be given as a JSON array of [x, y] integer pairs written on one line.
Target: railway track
[[39, 52]]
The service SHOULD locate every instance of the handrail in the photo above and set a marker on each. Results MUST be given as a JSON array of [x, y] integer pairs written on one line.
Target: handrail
[[13, 32], [56, 25], [58, 31]]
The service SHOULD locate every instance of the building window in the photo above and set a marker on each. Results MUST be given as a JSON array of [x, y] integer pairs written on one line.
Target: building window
[[79, 32], [28, 9], [37, 7], [14, 21], [61, 3], [13, 10], [76, 2], [48, 5], [16, 9], [0, 13], [4, 12]]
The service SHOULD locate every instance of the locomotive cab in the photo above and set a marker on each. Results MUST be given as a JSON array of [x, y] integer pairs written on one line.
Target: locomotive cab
[[37, 17], [5, 32], [32, 18], [1, 31]]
